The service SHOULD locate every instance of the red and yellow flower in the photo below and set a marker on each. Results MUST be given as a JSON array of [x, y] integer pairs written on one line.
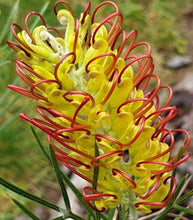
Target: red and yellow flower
[[101, 119]]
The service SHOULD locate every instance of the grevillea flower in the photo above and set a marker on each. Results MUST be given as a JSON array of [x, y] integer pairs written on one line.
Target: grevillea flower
[[102, 121]]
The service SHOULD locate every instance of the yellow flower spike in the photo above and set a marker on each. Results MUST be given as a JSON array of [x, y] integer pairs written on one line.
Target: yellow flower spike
[[123, 182], [104, 121], [101, 33], [44, 64], [51, 87], [99, 47], [104, 89], [63, 73], [93, 114], [97, 77], [106, 147], [144, 184], [84, 142], [156, 198], [145, 135], [122, 122], [78, 49], [108, 201], [55, 98], [40, 48], [43, 72], [65, 18], [139, 171], [83, 28], [124, 88], [100, 120]]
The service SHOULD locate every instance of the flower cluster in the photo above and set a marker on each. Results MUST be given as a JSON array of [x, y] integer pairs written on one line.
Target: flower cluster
[[101, 119]]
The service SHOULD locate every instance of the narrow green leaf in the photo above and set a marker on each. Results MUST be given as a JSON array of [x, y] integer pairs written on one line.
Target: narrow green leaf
[[96, 169], [42, 148], [30, 196], [163, 215], [75, 217], [110, 214], [180, 215], [27, 211], [183, 209], [178, 189], [179, 155], [185, 197], [12, 16], [103, 217], [121, 214], [169, 207], [77, 193], [60, 180], [95, 177]]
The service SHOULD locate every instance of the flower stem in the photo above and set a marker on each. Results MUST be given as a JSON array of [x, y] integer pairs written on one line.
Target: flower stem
[[96, 169], [59, 178], [95, 176]]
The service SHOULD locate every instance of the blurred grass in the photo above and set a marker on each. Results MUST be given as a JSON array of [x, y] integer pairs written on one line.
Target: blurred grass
[[157, 21]]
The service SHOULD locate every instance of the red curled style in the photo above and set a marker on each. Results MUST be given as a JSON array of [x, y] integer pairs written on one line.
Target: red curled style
[[76, 35], [23, 45], [96, 196], [159, 205], [115, 81], [113, 33], [138, 132], [56, 31], [96, 161], [26, 23], [22, 91], [39, 85], [23, 73], [100, 5], [60, 62], [125, 176], [110, 139], [74, 92], [152, 189], [17, 47], [65, 3], [139, 112], [104, 55], [86, 12]]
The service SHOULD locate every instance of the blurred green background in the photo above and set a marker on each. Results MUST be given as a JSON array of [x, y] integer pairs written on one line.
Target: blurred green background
[[160, 22]]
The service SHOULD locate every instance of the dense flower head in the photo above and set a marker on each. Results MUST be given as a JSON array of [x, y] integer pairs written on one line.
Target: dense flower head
[[102, 121]]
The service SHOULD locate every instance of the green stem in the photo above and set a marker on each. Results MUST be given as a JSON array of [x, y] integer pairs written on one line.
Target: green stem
[[96, 169], [120, 213], [69, 215], [95, 176], [40, 145], [60, 181], [133, 213], [77, 193], [75, 217], [185, 197], [28, 212], [183, 209]]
